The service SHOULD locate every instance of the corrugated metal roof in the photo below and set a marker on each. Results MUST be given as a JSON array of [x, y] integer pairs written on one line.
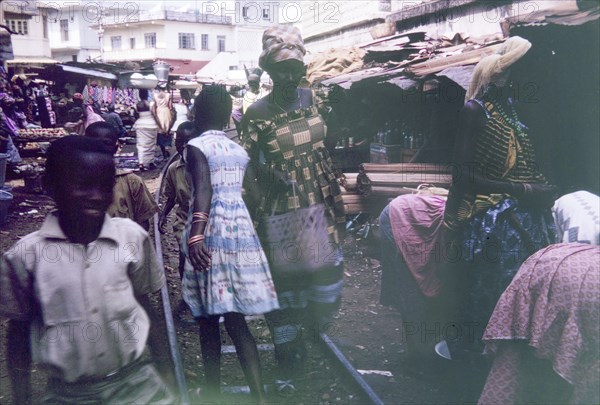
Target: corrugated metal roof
[[565, 12], [346, 81], [461, 75], [89, 72], [24, 60], [438, 64], [457, 64]]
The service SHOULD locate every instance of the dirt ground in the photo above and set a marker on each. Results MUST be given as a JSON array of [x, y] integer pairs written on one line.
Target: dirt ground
[[368, 333]]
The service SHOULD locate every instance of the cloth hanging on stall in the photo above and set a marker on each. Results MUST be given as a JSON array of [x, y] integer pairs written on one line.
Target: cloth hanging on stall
[[121, 96], [44, 104], [7, 131], [128, 97], [105, 99]]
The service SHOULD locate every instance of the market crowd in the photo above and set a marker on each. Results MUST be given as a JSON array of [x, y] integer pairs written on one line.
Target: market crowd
[[241, 204]]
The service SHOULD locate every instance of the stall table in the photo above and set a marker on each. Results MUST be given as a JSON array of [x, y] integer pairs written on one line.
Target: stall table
[[29, 139]]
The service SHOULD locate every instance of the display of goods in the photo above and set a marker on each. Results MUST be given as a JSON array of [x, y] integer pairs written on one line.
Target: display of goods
[[37, 134]]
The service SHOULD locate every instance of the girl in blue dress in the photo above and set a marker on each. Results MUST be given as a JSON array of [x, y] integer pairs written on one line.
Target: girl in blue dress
[[226, 272]]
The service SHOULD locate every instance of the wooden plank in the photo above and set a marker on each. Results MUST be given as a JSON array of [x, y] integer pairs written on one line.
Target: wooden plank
[[349, 181], [402, 179], [406, 168], [384, 192]]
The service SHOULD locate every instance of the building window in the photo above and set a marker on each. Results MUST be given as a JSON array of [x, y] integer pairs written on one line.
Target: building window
[[150, 40], [64, 30], [132, 43], [45, 26], [186, 41], [205, 42], [385, 5], [266, 13], [19, 26], [115, 43], [220, 43]]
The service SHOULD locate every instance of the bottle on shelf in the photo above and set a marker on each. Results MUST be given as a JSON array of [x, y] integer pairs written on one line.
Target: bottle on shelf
[[421, 140], [404, 136], [387, 133], [378, 136], [396, 133]]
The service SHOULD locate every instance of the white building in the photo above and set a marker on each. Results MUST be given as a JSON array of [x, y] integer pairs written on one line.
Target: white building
[[191, 32], [29, 19], [342, 24], [167, 35], [71, 35], [252, 18]]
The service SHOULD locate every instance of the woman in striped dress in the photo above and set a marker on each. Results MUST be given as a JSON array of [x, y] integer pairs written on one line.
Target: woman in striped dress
[[498, 209]]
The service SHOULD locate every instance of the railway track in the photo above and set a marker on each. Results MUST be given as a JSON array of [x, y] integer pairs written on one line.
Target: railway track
[[345, 367]]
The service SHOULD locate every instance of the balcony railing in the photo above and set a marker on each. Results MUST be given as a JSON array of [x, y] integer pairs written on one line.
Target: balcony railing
[[133, 54], [195, 16], [190, 16]]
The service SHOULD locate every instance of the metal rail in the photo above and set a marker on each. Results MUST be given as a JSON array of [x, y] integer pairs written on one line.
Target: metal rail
[[164, 292], [350, 370]]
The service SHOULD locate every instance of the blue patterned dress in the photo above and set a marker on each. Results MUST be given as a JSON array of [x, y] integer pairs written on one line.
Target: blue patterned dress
[[239, 279]]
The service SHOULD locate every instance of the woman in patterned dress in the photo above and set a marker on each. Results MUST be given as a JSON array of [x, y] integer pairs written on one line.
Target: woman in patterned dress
[[287, 130], [544, 334], [226, 271]]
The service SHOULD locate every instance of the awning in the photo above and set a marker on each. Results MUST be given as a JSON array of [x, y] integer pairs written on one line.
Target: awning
[[346, 80], [404, 82], [461, 75], [89, 72], [31, 61]]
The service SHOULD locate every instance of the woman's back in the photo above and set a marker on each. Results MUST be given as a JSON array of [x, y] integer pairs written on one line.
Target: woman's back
[[227, 161], [142, 106]]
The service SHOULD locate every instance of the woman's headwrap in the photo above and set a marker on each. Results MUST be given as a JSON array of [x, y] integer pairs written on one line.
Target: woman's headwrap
[[281, 42], [489, 68]]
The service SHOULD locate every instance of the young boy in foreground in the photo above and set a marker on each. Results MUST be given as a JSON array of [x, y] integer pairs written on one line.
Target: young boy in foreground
[[76, 292]]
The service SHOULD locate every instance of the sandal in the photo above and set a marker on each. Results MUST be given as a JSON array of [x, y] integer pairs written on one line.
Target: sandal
[[142, 168], [285, 388]]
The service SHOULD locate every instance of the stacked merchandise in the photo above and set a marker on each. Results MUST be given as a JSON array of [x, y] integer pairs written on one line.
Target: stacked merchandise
[[375, 185], [40, 134], [104, 95]]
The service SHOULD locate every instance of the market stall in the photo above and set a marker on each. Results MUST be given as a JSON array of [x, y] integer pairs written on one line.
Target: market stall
[[398, 109]]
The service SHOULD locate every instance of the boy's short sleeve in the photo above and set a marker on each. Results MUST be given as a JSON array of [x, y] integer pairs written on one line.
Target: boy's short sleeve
[[145, 273], [170, 182], [144, 205], [16, 287]]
